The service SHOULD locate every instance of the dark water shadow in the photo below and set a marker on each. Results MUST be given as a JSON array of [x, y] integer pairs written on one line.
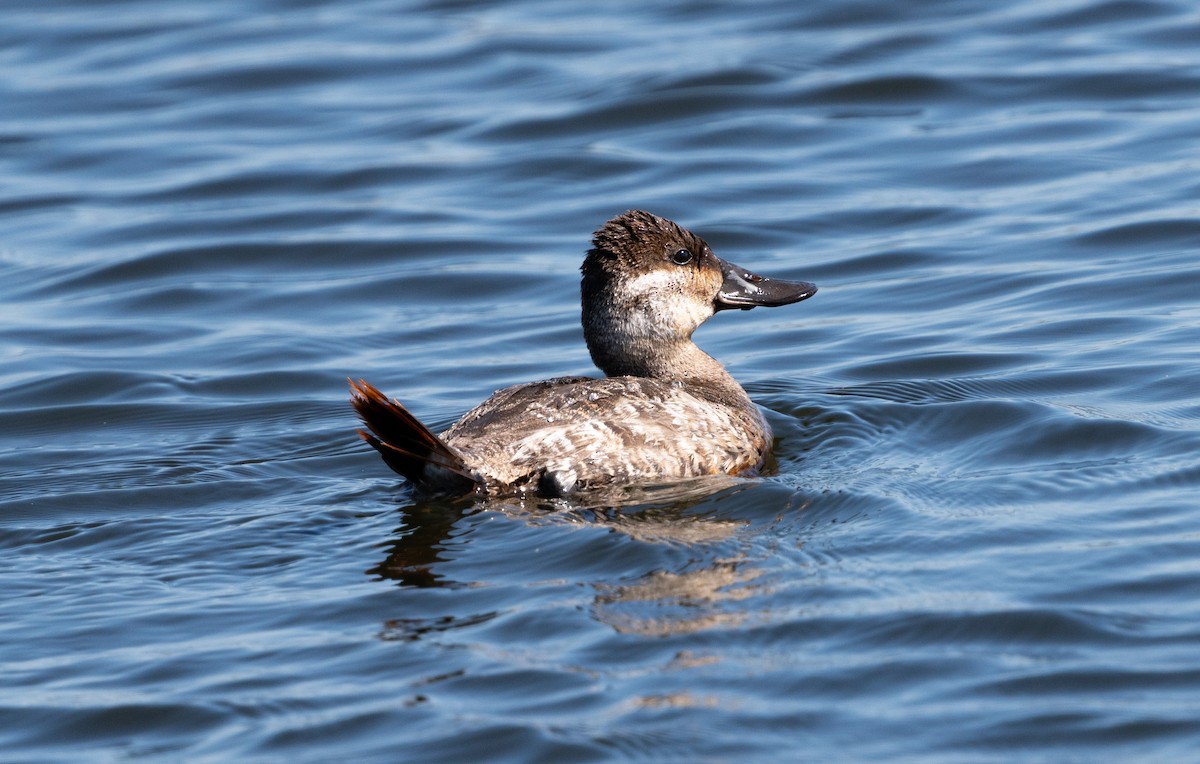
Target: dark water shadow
[[419, 543]]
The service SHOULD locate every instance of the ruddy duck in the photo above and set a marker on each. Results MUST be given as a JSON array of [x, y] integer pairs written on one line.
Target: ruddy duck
[[664, 410]]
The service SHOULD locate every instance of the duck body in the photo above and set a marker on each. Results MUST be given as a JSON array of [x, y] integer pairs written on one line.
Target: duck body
[[665, 409]]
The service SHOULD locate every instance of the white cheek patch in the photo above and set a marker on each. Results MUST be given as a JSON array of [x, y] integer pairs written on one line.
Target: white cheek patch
[[655, 281], [674, 308], [686, 314]]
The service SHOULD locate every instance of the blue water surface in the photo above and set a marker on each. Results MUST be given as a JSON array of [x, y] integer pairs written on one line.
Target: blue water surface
[[981, 538]]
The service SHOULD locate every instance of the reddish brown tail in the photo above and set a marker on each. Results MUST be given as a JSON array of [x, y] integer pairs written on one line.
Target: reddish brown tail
[[407, 446]]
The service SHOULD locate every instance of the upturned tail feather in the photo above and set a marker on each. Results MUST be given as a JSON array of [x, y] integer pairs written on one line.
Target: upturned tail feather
[[406, 445]]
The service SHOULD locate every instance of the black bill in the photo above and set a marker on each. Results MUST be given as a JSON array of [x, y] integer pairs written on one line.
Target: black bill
[[745, 290]]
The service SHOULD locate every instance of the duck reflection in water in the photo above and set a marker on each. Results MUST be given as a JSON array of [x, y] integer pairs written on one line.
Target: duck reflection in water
[[719, 571]]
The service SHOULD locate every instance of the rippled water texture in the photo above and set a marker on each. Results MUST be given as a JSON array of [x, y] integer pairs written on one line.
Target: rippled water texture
[[981, 538]]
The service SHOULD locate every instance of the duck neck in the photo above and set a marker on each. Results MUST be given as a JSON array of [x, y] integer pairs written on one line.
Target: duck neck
[[676, 360]]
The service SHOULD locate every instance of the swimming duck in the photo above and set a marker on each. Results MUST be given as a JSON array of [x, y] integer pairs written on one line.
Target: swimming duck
[[664, 410]]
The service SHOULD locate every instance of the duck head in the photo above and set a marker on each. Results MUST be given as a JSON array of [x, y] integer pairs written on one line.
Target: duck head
[[648, 282]]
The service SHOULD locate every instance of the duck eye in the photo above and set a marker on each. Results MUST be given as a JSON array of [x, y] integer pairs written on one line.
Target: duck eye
[[682, 257]]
